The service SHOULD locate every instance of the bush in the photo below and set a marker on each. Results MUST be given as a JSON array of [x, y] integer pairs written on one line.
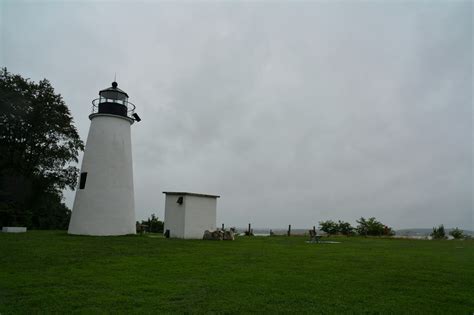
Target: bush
[[457, 233], [329, 226], [152, 225], [373, 227], [333, 228], [345, 228], [438, 233]]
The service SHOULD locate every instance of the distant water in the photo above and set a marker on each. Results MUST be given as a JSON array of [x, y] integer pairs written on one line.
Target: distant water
[[424, 232]]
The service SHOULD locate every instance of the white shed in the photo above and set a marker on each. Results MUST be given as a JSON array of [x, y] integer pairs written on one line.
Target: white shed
[[188, 215]]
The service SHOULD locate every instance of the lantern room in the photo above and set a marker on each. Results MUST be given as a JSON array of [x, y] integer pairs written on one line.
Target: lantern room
[[113, 101]]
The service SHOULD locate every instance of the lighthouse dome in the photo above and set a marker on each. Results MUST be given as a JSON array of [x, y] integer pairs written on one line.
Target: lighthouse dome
[[113, 92]]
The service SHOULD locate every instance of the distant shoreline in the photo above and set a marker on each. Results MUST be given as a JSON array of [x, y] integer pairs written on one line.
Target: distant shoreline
[[412, 233]]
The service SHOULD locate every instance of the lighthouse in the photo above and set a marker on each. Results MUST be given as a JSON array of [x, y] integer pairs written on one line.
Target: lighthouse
[[104, 202]]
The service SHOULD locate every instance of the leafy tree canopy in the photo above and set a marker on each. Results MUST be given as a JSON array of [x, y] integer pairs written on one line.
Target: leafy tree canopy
[[345, 228], [457, 233], [372, 227], [38, 141], [329, 226], [439, 232], [339, 227], [153, 225]]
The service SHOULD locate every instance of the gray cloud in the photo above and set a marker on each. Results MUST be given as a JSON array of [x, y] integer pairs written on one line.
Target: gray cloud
[[293, 112]]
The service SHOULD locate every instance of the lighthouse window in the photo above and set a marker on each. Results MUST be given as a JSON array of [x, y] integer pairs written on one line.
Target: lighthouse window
[[82, 182]]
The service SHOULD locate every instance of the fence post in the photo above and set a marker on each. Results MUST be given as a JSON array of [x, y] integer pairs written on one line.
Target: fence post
[[289, 230]]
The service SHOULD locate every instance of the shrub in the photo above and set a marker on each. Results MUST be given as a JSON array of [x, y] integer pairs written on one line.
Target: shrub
[[152, 225], [373, 227], [340, 227], [438, 233], [329, 226], [345, 228], [457, 233]]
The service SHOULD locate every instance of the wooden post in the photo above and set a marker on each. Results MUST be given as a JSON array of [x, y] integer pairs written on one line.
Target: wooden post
[[314, 229], [222, 226], [289, 230]]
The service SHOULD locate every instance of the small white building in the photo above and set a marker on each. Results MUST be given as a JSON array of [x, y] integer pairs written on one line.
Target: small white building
[[188, 215]]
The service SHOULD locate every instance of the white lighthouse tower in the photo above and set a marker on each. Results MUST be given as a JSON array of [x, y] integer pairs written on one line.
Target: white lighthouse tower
[[104, 203]]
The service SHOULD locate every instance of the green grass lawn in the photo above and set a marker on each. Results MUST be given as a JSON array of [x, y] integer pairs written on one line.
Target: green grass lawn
[[43, 271]]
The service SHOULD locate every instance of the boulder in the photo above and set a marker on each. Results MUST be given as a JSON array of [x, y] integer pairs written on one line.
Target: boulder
[[229, 236], [213, 235], [218, 235], [207, 235]]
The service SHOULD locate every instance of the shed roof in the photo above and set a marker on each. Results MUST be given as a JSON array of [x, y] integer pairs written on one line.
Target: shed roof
[[190, 194]]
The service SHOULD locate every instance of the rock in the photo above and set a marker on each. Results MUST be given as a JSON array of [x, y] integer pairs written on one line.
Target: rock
[[207, 235], [218, 235], [213, 235], [229, 236]]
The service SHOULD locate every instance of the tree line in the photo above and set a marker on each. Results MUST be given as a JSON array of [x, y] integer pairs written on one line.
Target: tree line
[[439, 233], [366, 227], [372, 227]]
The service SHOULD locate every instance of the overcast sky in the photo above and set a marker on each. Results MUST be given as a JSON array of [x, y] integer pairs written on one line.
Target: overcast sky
[[293, 112]]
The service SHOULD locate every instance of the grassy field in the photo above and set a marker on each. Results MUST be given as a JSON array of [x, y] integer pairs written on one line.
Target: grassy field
[[54, 272]]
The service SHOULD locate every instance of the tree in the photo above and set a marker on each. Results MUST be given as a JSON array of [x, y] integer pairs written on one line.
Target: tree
[[340, 227], [153, 224], [38, 141], [438, 233], [457, 233], [329, 226], [372, 227], [345, 228]]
